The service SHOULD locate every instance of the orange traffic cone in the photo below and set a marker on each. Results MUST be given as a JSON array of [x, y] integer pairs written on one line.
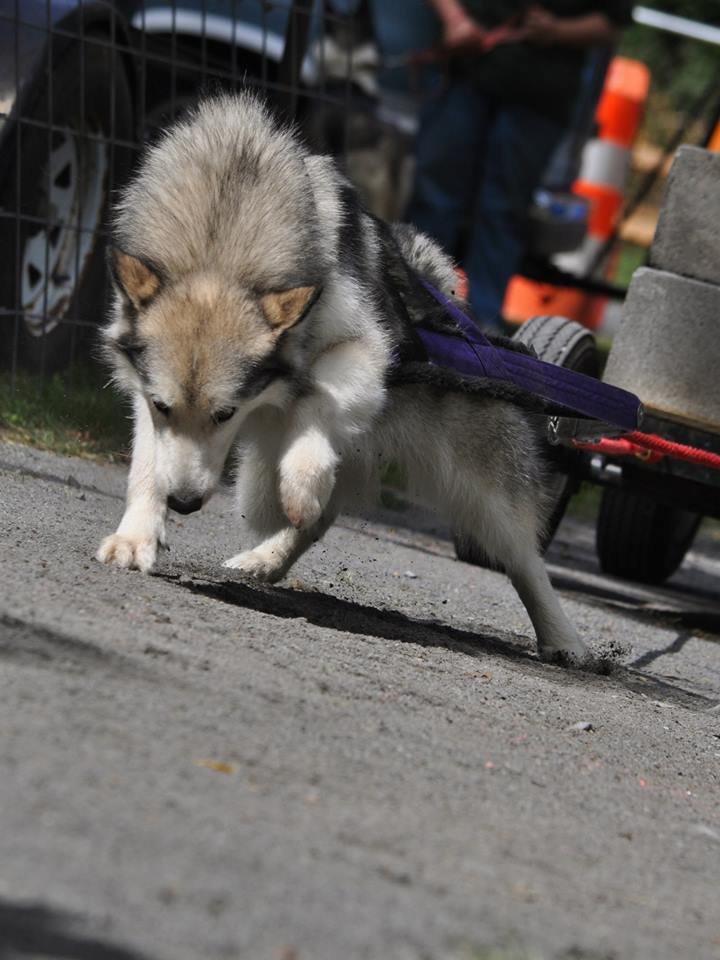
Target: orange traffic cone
[[603, 177]]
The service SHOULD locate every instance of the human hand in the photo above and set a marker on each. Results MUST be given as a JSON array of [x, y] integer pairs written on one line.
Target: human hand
[[540, 27], [462, 31]]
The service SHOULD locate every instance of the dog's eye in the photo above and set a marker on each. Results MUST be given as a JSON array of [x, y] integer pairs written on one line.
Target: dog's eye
[[161, 407], [223, 415]]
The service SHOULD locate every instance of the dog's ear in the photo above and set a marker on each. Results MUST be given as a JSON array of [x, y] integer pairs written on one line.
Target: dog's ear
[[283, 310], [139, 282]]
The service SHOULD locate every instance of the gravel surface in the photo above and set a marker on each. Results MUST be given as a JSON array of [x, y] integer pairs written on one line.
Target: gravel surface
[[366, 761]]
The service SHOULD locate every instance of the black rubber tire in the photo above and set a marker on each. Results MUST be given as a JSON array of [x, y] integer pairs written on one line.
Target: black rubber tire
[[73, 90], [568, 344], [638, 538], [561, 341]]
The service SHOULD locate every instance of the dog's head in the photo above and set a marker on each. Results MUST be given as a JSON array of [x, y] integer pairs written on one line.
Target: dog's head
[[201, 355]]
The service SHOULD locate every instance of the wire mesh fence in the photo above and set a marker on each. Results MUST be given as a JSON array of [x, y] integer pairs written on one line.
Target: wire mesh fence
[[84, 84]]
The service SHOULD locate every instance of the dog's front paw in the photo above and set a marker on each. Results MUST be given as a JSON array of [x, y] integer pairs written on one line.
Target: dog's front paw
[[307, 478], [304, 494], [130, 552], [302, 507], [259, 564]]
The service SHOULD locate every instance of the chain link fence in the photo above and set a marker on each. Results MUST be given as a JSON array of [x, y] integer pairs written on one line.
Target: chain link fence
[[85, 83]]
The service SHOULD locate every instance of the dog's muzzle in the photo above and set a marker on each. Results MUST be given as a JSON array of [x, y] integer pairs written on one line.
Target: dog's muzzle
[[182, 505]]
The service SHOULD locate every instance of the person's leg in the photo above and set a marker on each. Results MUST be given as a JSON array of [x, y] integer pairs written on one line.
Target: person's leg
[[452, 128], [518, 147]]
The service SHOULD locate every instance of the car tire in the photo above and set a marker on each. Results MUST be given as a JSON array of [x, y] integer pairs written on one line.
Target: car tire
[[52, 274], [567, 344], [639, 539]]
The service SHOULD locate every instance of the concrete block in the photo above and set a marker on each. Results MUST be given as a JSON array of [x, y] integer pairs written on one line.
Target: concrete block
[[687, 240], [667, 348]]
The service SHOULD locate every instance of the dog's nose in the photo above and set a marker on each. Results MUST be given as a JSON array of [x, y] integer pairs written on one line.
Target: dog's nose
[[184, 504]]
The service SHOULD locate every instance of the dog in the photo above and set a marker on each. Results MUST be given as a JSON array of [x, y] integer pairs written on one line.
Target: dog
[[256, 307]]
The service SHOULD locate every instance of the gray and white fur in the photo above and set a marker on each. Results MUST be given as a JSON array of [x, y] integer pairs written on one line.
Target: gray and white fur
[[253, 309]]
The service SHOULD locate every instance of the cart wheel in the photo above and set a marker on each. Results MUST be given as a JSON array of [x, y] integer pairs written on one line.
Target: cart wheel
[[561, 341], [568, 344], [640, 539]]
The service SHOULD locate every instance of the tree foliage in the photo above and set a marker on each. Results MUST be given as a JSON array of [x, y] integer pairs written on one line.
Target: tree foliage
[[681, 68]]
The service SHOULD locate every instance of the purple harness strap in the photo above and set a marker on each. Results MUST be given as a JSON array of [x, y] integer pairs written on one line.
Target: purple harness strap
[[476, 356]]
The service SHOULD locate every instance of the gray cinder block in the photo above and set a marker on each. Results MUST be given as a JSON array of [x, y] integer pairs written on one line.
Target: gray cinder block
[[667, 348], [687, 240]]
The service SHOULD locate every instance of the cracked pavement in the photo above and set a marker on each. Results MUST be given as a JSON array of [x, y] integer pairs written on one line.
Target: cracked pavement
[[365, 761]]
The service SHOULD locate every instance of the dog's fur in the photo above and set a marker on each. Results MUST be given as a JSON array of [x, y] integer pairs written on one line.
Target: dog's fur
[[253, 308]]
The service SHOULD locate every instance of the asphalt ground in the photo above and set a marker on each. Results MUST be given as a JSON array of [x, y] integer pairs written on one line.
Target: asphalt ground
[[365, 761]]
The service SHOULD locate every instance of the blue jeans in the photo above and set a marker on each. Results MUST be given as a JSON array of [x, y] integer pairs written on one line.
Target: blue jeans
[[478, 165]]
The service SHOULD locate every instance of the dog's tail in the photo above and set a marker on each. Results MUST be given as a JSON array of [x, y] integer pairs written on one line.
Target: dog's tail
[[408, 259], [426, 257]]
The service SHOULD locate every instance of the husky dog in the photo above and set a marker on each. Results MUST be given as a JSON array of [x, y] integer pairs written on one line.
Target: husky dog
[[256, 305]]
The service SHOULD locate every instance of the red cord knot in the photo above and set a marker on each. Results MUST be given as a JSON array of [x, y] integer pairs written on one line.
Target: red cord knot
[[651, 449]]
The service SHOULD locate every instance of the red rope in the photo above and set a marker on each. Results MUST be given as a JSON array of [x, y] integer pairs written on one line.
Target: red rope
[[651, 448]]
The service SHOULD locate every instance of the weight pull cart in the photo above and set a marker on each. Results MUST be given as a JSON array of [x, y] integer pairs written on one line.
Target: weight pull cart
[[659, 481]]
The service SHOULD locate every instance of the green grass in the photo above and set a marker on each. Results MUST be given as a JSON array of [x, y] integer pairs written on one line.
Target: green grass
[[72, 414], [393, 475], [630, 258], [585, 504]]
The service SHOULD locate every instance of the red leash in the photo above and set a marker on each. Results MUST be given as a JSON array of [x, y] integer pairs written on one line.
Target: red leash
[[651, 449]]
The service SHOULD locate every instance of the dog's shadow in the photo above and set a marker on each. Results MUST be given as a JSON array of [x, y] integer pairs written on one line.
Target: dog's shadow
[[328, 611], [34, 930]]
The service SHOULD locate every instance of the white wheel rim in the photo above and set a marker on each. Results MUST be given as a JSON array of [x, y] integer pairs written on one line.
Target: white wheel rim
[[55, 258]]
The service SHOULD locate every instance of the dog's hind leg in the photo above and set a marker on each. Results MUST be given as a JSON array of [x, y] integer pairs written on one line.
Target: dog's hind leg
[[557, 638], [256, 476], [486, 467], [507, 528], [272, 558], [259, 503], [142, 528], [283, 544]]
